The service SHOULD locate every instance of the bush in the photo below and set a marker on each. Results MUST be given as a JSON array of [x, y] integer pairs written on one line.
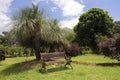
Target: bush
[[73, 50], [111, 47], [107, 46], [2, 53], [17, 51], [117, 44], [14, 51]]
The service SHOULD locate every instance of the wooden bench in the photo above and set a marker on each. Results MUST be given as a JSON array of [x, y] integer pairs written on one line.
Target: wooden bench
[[54, 58]]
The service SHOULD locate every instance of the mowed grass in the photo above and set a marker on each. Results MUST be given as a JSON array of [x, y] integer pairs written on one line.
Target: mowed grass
[[23, 68]]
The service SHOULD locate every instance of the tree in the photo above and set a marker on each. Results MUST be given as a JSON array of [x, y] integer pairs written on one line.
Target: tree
[[34, 30], [93, 24], [68, 34], [54, 36], [8, 38]]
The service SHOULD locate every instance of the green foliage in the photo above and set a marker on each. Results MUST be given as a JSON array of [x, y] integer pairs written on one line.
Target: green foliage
[[68, 34], [117, 26], [7, 39], [34, 30], [28, 26], [2, 52], [93, 24], [2, 39], [15, 51]]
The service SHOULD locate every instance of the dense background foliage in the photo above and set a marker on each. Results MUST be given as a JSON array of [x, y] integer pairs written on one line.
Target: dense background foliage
[[93, 25]]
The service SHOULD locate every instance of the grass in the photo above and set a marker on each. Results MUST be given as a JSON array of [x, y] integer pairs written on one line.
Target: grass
[[19, 69]]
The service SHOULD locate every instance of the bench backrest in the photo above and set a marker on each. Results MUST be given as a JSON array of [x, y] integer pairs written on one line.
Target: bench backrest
[[47, 56]]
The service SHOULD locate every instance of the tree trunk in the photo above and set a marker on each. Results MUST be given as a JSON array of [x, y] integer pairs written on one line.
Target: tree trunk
[[32, 52], [37, 54]]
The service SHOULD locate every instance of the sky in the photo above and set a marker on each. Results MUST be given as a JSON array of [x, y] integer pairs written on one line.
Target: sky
[[67, 12]]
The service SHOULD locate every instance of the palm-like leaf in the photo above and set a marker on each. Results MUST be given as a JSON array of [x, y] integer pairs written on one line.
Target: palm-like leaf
[[35, 30]]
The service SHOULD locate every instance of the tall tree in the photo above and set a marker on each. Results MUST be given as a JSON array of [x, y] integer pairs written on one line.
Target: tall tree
[[55, 38], [93, 24], [34, 30]]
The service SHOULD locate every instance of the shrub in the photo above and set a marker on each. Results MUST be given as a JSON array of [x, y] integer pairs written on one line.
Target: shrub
[[73, 49], [111, 47], [117, 43], [106, 46], [17, 51], [2, 53]]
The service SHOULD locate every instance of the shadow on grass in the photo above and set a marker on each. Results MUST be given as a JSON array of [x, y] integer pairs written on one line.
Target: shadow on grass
[[108, 64], [19, 67], [55, 69], [97, 64]]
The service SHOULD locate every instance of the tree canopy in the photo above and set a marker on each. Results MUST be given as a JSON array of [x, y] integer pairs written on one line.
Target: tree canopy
[[68, 34], [92, 25]]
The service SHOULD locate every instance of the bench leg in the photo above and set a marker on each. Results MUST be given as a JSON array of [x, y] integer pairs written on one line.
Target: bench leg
[[43, 68], [68, 63]]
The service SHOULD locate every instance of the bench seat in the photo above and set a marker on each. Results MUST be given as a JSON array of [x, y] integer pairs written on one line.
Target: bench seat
[[54, 58]]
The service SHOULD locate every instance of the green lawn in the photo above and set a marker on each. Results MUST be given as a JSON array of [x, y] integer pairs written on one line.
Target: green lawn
[[19, 69]]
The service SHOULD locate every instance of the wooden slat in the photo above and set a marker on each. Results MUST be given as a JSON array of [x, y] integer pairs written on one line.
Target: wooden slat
[[52, 55], [57, 61]]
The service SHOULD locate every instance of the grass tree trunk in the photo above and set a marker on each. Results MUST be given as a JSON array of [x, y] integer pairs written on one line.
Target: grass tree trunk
[[37, 53]]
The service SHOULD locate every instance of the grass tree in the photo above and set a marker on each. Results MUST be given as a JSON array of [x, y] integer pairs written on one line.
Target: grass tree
[[34, 30], [55, 35]]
